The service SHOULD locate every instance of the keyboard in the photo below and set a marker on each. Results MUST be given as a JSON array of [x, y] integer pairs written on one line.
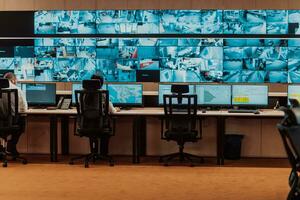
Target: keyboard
[[243, 111]]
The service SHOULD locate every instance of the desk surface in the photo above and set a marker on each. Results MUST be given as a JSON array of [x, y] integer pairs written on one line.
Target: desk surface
[[159, 111]]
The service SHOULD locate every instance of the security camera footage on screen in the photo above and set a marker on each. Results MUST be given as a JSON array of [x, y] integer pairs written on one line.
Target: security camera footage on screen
[[167, 22], [175, 59]]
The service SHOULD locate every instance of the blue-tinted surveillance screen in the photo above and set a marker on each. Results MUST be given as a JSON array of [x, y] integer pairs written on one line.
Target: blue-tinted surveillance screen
[[78, 86], [166, 89], [126, 94], [213, 94], [40, 94], [293, 92], [252, 95]]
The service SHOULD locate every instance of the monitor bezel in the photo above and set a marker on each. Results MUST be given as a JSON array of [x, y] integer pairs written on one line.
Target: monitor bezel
[[250, 105], [170, 83], [40, 103], [214, 105], [127, 104]]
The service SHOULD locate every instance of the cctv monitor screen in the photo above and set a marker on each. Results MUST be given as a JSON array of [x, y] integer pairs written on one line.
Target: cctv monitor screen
[[255, 95], [293, 93], [166, 89], [213, 94], [78, 86], [126, 94], [40, 94]]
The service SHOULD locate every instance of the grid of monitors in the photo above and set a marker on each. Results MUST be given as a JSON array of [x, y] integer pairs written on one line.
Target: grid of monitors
[[119, 94], [249, 95], [167, 22], [190, 60], [39, 93], [293, 93]]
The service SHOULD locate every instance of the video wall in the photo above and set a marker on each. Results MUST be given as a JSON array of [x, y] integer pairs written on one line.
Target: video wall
[[171, 59], [197, 46], [168, 22]]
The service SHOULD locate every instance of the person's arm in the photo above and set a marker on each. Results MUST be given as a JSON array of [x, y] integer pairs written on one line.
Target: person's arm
[[23, 106], [113, 109]]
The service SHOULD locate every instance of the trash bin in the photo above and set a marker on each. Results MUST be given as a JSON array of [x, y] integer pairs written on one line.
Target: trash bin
[[232, 146]]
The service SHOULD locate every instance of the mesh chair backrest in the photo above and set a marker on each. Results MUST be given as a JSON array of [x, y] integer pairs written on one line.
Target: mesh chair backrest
[[92, 108], [291, 141], [180, 112], [8, 107]]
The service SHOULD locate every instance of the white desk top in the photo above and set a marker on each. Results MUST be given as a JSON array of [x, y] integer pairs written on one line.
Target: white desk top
[[159, 111]]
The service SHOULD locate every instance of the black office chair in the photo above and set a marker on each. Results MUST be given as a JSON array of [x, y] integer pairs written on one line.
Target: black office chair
[[9, 120], [93, 120], [180, 123], [289, 130]]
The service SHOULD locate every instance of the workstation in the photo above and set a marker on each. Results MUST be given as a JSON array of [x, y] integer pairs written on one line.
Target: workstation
[[133, 99]]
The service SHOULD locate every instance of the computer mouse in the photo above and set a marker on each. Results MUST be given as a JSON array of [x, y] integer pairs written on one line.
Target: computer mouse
[[257, 112]]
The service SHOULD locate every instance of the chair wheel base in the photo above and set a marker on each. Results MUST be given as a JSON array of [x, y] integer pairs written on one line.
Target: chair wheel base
[[24, 162]]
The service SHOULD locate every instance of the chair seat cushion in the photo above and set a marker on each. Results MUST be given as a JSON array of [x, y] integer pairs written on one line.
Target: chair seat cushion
[[187, 136]]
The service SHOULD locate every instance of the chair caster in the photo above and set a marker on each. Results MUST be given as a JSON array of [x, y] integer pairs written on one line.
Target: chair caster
[[71, 163], [86, 164], [24, 162], [4, 164]]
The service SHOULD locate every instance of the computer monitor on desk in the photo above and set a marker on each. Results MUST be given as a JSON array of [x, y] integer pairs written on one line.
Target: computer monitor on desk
[[293, 93], [214, 95], [250, 95], [41, 94], [166, 89], [126, 95]]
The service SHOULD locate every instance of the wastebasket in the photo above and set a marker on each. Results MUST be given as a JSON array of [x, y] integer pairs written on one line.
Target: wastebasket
[[232, 146]]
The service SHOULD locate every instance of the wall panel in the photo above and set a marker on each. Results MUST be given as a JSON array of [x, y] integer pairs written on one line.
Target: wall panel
[[179, 4], [80, 4], [18, 5], [270, 4], [113, 4], [239, 4], [293, 4], [49, 5], [143, 4], [204, 4]]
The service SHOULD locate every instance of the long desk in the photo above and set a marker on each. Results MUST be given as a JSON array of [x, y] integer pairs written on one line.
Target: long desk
[[138, 114]]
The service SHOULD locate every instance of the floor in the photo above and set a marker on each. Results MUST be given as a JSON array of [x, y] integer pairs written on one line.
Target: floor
[[247, 179]]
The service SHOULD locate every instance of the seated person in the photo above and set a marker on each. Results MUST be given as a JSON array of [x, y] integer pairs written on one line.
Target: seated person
[[104, 140], [112, 109], [23, 106]]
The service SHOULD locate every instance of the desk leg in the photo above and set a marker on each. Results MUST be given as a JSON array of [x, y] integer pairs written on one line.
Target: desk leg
[[220, 140], [139, 138], [135, 157], [53, 138], [65, 135]]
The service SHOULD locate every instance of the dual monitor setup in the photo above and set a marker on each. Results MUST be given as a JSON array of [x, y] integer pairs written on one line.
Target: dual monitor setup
[[44, 94]]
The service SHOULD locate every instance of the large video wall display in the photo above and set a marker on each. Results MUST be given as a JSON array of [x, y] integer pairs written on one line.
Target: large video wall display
[[195, 60], [168, 22]]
